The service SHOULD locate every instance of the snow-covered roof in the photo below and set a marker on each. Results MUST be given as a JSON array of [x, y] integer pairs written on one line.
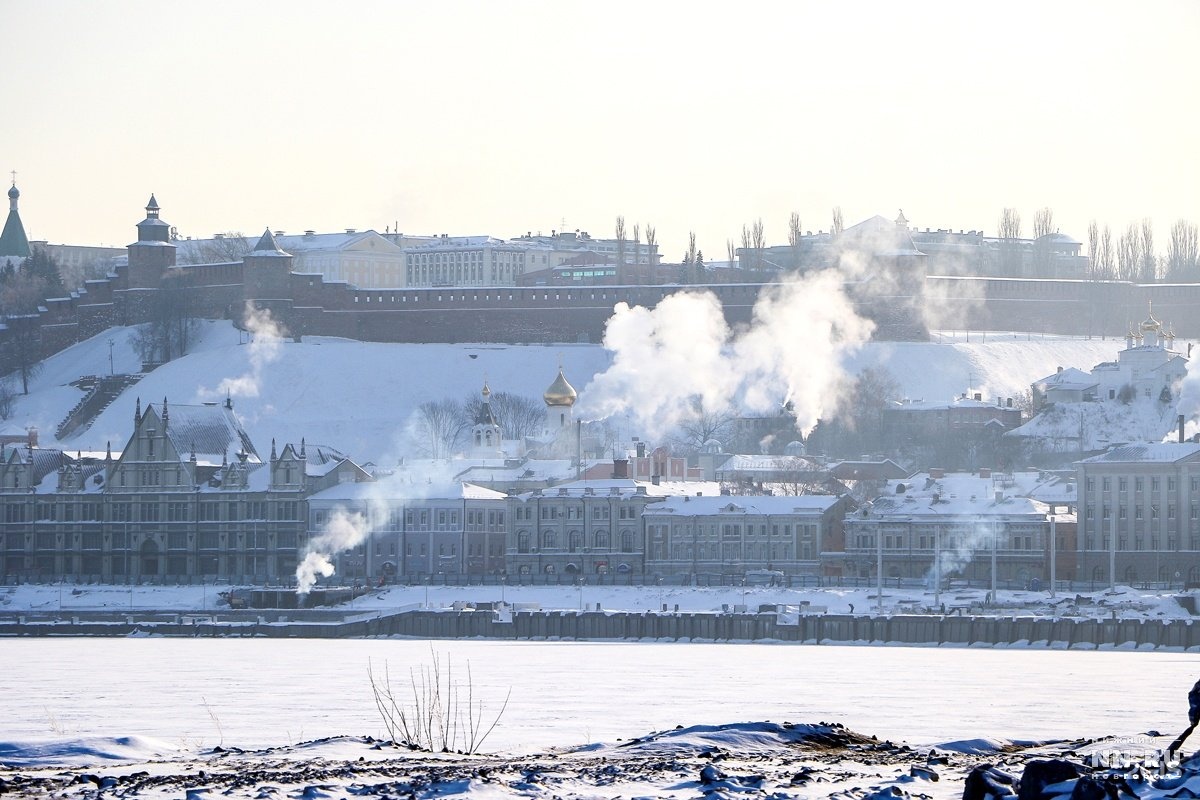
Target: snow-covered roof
[[321, 459], [868, 470], [943, 405], [743, 505], [1067, 377], [533, 469], [212, 432], [955, 494], [1160, 452], [386, 490], [627, 487], [768, 463], [1056, 491]]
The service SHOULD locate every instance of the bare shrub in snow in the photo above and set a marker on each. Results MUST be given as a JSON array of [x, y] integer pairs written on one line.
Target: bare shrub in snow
[[440, 713]]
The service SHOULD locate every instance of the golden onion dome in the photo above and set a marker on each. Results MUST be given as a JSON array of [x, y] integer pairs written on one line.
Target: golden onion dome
[[1151, 324], [560, 392]]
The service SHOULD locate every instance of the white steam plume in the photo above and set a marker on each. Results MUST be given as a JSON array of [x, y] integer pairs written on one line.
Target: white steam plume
[[681, 356], [1189, 398], [957, 551], [343, 531], [266, 337], [349, 528]]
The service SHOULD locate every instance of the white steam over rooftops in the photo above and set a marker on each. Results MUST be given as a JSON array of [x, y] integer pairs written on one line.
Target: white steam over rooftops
[[681, 358]]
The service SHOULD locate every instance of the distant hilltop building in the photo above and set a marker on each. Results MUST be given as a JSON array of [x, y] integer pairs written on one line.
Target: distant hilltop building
[[1148, 368], [370, 260], [942, 251]]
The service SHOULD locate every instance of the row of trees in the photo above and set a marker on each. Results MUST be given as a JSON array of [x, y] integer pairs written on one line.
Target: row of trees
[[1129, 256], [1132, 256], [442, 428], [24, 287]]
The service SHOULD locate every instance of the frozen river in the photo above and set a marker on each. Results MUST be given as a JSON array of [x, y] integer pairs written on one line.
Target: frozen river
[[255, 693]]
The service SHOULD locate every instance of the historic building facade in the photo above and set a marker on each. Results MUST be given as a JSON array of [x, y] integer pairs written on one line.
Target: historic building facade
[[187, 499], [697, 539], [1139, 514], [946, 526], [584, 528]]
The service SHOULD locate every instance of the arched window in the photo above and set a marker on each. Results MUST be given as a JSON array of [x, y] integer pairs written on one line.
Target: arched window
[[549, 538], [626, 541], [575, 541], [523, 542], [601, 540]]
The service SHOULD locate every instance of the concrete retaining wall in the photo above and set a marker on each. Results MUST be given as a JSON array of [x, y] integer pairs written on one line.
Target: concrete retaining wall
[[955, 631]]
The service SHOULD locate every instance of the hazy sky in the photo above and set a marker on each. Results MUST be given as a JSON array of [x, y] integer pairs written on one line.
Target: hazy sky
[[498, 118]]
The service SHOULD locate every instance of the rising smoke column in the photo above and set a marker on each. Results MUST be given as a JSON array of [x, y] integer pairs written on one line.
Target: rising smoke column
[[266, 338], [1189, 398], [348, 529], [680, 354], [343, 531]]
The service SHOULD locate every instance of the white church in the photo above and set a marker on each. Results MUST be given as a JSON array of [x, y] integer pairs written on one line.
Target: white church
[[1148, 368]]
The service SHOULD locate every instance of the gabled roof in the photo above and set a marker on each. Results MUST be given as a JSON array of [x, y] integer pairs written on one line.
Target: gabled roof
[[879, 236], [868, 470], [1067, 378], [213, 433], [1156, 452]]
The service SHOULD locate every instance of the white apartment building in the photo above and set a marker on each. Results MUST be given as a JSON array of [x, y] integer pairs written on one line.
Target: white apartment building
[[474, 261]]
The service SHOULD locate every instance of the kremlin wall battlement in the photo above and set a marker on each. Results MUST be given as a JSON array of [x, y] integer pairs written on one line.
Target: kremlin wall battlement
[[308, 305]]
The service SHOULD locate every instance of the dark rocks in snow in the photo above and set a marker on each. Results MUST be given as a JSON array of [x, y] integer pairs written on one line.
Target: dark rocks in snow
[[1040, 774], [986, 782], [923, 773]]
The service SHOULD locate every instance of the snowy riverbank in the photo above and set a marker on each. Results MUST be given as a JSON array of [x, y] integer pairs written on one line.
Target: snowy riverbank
[[1124, 603]]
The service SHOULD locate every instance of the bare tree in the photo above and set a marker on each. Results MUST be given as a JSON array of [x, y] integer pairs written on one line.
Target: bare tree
[[22, 294], [1183, 253], [170, 325], [518, 416], [8, 398], [224, 248], [1107, 269], [651, 243], [437, 428], [22, 347], [837, 225], [1093, 249], [690, 258], [637, 244], [620, 232], [731, 253], [1148, 261], [1129, 252], [1010, 246], [1043, 222], [747, 255], [704, 424], [794, 237], [1043, 226], [759, 240]]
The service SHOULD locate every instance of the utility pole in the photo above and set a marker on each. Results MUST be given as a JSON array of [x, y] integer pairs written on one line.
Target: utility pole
[[1053, 555]]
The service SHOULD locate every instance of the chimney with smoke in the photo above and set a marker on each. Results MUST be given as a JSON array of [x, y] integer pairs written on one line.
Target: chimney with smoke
[[620, 468]]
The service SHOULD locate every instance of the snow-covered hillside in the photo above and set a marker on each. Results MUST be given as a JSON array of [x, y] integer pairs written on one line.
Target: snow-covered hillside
[[1064, 426], [360, 396]]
